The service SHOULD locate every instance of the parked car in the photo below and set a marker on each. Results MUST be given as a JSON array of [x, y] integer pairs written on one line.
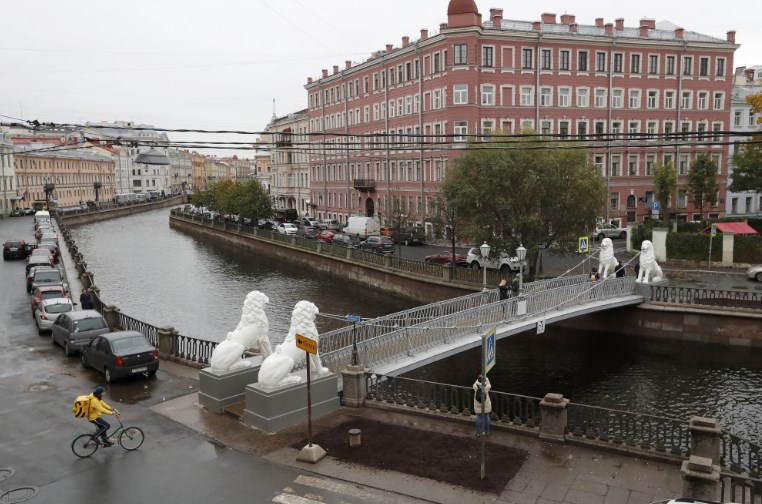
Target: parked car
[[308, 222], [503, 263], [378, 245], [413, 235], [44, 292], [40, 251], [14, 249], [267, 225], [17, 213], [45, 275], [325, 235], [76, 329], [609, 231], [446, 257], [330, 224], [286, 228], [345, 240], [28, 210], [52, 247], [121, 354], [755, 272], [49, 310], [39, 260], [363, 226], [49, 236], [308, 232]]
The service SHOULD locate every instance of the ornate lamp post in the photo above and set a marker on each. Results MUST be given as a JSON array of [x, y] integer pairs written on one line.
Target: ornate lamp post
[[97, 186], [485, 255], [521, 253], [49, 187]]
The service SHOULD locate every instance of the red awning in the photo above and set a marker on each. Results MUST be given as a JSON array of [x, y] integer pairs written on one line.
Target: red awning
[[735, 227]]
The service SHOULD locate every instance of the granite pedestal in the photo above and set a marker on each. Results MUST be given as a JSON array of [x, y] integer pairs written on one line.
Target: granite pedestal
[[219, 389], [272, 409]]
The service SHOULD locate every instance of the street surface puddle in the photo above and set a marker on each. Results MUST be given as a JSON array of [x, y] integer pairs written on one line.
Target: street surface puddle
[[39, 387]]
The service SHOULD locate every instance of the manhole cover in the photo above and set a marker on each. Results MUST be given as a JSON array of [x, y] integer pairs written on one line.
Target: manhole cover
[[18, 495], [6, 473]]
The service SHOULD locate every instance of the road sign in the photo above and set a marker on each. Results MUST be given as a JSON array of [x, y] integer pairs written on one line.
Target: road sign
[[306, 344], [540, 326], [489, 353], [655, 206], [714, 229], [353, 318], [584, 244]]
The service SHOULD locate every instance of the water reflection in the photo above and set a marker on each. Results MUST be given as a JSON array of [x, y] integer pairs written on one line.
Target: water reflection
[[167, 278]]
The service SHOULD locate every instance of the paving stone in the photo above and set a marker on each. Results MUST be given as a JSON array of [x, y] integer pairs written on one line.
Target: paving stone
[[640, 498], [554, 491], [616, 495], [517, 498], [579, 497], [593, 487]]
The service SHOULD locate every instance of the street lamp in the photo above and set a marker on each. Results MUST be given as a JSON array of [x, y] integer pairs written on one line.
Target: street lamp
[[97, 186], [521, 253], [485, 254]]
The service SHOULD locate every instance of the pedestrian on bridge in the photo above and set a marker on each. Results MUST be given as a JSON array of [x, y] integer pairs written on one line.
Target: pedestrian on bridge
[[503, 290], [482, 387]]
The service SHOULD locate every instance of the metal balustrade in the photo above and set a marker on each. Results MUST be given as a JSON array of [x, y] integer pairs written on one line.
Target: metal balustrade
[[741, 489], [741, 455], [703, 296]]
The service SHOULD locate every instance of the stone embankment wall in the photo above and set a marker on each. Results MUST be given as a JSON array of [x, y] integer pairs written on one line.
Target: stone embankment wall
[[90, 216]]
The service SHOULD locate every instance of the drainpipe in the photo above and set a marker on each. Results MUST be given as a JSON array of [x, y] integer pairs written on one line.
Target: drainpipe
[[386, 130], [346, 137], [322, 129], [610, 118], [537, 85], [420, 134], [677, 126]]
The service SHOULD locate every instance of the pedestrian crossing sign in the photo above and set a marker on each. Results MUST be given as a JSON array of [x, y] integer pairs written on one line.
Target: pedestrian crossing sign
[[584, 245], [489, 350]]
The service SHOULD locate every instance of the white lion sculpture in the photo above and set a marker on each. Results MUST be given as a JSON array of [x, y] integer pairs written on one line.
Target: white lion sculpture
[[649, 270], [276, 368], [250, 334], [608, 262]]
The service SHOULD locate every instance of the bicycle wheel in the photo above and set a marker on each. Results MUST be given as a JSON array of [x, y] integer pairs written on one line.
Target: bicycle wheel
[[131, 438], [84, 445]]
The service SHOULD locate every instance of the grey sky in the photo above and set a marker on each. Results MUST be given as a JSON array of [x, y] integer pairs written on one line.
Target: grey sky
[[219, 64]]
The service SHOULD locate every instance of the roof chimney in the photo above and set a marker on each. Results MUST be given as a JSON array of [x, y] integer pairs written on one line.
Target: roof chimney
[[609, 27], [309, 80], [405, 41], [496, 16], [650, 23], [335, 69], [619, 24], [679, 32], [548, 18], [389, 48], [573, 27], [536, 26], [424, 33], [599, 22], [442, 26], [325, 73], [644, 30], [347, 64], [567, 19], [732, 36]]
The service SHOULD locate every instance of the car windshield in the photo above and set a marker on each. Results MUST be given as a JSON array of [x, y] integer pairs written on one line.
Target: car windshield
[[90, 323], [58, 308], [51, 294], [13, 244], [47, 276], [131, 343]]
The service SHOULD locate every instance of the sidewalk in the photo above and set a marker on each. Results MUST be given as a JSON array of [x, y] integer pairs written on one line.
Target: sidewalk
[[553, 473], [69, 266]]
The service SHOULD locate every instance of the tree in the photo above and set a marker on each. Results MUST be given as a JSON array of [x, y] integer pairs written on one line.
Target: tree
[[665, 185], [747, 169], [703, 183], [519, 191], [755, 100], [246, 199]]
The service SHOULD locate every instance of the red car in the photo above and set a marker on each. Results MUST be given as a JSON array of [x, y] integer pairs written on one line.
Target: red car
[[325, 235], [445, 257]]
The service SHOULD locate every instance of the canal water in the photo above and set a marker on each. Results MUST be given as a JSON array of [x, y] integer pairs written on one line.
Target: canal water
[[165, 277]]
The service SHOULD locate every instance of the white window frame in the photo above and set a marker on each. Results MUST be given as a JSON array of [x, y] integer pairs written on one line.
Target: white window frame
[[546, 96], [488, 95], [617, 98], [669, 99], [460, 94], [526, 96], [564, 96], [652, 102], [702, 100], [583, 97], [460, 130], [601, 97], [635, 96]]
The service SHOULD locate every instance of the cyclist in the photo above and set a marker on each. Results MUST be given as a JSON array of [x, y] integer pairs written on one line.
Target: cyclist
[[98, 408]]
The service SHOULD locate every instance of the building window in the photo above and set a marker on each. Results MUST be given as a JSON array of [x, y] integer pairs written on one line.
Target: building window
[[488, 56], [488, 126], [563, 128], [617, 63], [652, 100], [737, 118], [752, 119], [547, 59], [683, 169], [635, 63], [616, 166], [461, 54], [616, 130], [600, 62], [617, 98], [687, 65], [704, 67], [716, 128], [488, 94], [685, 101], [545, 127], [720, 67], [563, 60], [668, 129], [632, 166], [633, 130], [563, 96], [600, 164], [527, 94], [634, 98], [600, 129], [670, 66], [669, 99], [460, 94], [436, 63], [651, 130], [653, 64], [527, 58], [582, 130], [461, 130], [582, 61], [583, 97], [600, 98], [718, 99], [546, 97], [703, 100], [436, 99], [650, 160]]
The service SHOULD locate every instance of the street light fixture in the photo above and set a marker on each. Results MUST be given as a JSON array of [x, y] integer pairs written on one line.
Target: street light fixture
[[521, 253], [485, 255]]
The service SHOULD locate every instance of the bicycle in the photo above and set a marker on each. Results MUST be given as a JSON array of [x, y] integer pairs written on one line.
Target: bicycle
[[129, 438]]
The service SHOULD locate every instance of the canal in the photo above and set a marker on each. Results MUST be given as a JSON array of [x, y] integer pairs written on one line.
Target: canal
[[164, 277]]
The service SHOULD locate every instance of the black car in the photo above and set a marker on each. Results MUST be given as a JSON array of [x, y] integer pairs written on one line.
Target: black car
[[267, 225], [378, 245], [121, 354], [345, 240], [17, 213], [15, 249]]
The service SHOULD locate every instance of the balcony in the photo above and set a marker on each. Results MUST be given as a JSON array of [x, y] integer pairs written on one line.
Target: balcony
[[365, 185]]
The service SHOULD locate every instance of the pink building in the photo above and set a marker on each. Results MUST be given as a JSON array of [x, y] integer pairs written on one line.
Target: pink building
[[383, 132]]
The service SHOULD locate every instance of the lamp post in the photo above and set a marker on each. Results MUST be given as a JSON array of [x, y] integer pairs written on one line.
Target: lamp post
[[97, 187], [485, 255], [521, 253]]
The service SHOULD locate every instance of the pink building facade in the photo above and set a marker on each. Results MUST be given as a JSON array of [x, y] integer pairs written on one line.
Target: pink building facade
[[384, 132]]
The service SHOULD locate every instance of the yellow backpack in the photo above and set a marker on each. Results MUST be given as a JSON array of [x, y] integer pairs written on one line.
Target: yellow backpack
[[81, 408]]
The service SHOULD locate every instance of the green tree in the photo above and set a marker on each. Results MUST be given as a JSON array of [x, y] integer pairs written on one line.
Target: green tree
[[703, 183], [747, 169], [665, 185], [247, 199], [517, 191]]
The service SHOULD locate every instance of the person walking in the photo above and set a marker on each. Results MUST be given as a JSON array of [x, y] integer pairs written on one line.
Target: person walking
[[503, 290], [85, 300], [482, 387], [619, 270], [95, 411]]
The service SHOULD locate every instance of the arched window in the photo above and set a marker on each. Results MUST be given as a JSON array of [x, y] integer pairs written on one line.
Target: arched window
[[631, 201]]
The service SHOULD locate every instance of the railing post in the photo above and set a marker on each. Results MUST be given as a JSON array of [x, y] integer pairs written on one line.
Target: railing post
[[355, 388], [553, 417], [706, 438], [167, 337], [111, 314], [319, 247], [349, 253], [387, 261], [447, 274], [87, 279], [701, 479]]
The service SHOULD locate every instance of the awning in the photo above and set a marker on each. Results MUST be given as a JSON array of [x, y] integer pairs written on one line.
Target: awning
[[734, 227]]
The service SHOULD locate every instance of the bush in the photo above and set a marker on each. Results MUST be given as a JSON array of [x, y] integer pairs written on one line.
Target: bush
[[693, 246], [747, 249]]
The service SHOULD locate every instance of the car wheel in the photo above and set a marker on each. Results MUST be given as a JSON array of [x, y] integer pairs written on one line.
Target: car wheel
[[67, 349], [623, 235], [601, 237], [758, 276], [83, 361], [107, 374], [475, 265]]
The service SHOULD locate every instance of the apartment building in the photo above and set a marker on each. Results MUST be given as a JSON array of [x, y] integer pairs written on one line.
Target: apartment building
[[384, 132], [748, 81], [287, 140]]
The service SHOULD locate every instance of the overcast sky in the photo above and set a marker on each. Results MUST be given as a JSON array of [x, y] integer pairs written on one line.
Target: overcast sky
[[220, 64]]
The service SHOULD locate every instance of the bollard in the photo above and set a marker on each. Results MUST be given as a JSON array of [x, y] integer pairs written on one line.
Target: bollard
[[355, 389], [706, 438], [553, 417], [701, 478], [167, 337], [354, 437], [111, 314]]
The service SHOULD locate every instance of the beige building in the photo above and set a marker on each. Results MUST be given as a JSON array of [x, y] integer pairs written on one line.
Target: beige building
[[289, 184], [8, 194]]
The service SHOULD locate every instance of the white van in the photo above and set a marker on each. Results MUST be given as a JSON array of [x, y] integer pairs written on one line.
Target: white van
[[363, 227], [41, 215]]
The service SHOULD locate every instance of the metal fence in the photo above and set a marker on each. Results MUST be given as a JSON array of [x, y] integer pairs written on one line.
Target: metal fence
[[741, 455], [700, 296], [740, 489]]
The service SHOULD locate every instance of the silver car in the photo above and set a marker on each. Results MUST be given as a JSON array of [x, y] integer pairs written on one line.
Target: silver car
[[75, 330], [48, 311], [755, 272]]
